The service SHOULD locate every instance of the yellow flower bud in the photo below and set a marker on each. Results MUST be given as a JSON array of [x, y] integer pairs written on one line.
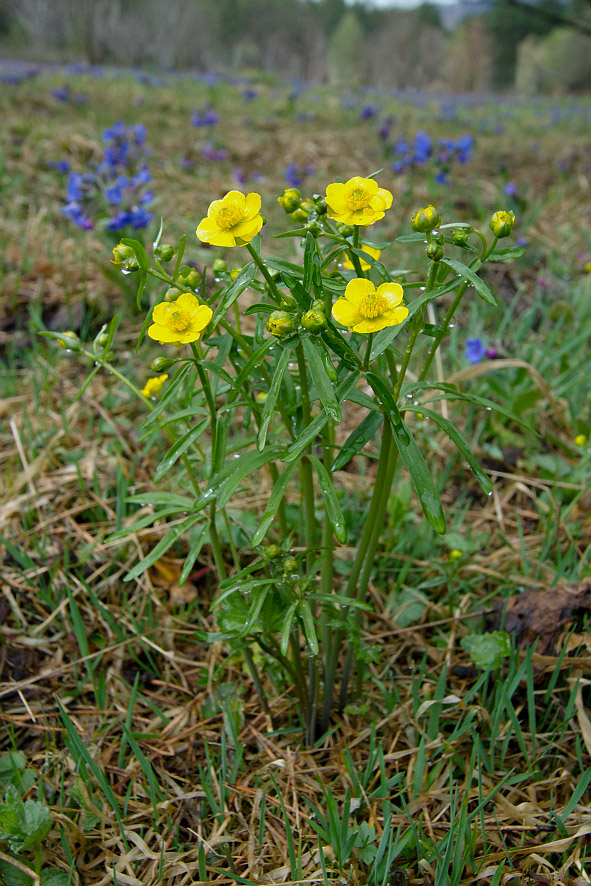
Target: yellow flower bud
[[290, 200], [501, 224], [455, 555], [426, 219], [121, 253], [580, 440], [282, 323], [70, 342]]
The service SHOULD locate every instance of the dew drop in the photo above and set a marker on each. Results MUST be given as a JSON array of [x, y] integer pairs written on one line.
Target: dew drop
[[415, 402], [422, 288], [451, 326], [409, 396], [489, 408], [235, 455], [489, 494]]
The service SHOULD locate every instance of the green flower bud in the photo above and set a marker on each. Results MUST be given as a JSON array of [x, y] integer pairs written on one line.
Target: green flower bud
[[172, 294], [281, 323], [315, 228], [70, 341], [220, 266], [193, 279], [501, 224], [161, 364], [101, 340], [460, 237], [290, 200], [314, 320], [121, 253], [130, 264], [235, 273], [320, 204], [164, 252], [345, 230], [271, 552], [424, 220], [300, 216], [435, 251], [290, 565]]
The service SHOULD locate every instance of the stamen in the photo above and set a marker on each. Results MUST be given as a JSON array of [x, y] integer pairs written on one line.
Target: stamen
[[372, 306]]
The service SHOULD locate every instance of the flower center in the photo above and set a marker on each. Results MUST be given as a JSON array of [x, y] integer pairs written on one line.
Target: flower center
[[229, 217], [358, 199], [179, 320], [372, 306]]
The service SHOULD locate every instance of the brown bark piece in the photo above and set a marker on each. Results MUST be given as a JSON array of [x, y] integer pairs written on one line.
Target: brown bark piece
[[541, 614]]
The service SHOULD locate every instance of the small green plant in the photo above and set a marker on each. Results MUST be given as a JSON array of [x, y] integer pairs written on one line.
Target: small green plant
[[24, 825], [265, 401]]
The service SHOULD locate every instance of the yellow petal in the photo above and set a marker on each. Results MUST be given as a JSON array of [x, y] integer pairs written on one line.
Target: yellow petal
[[366, 184], [207, 228], [396, 316], [189, 336], [161, 312], [345, 313], [335, 197], [247, 229], [201, 317], [214, 208], [358, 289], [163, 334], [253, 204], [393, 292], [188, 302], [385, 198], [234, 198], [371, 324]]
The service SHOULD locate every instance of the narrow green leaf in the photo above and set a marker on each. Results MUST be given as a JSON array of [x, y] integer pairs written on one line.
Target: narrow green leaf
[[142, 523], [193, 552], [163, 545], [411, 456], [286, 628], [275, 500], [233, 292], [461, 442], [259, 308], [167, 499], [324, 387], [253, 361], [140, 253], [178, 448], [482, 288], [270, 402], [171, 389], [357, 439], [506, 253], [309, 626], [223, 485], [331, 501]]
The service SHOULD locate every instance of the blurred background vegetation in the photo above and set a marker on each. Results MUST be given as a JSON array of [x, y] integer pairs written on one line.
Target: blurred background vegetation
[[542, 46]]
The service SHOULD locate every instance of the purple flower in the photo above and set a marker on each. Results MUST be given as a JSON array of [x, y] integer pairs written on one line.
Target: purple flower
[[187, 163], [510, 189], [475, 350], [210, 152], [367, 112], [249, 93], [62, 93], [58, 165], [204, 117], [295, 174]]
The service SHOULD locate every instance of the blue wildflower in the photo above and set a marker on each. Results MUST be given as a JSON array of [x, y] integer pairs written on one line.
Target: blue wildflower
[[475, 350]]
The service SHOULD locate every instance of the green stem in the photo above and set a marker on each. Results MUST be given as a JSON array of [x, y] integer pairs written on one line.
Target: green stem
[[306, 475], [262, 268], [452, 309], [367, 359], [252, 669], [355, 258], [370, 526]]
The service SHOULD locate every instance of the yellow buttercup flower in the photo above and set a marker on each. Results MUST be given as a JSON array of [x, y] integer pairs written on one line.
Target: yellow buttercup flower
[[232, 221], [580, 440], [181, 321], [371, 251], [358, 202], [367, 309], [153, 385]]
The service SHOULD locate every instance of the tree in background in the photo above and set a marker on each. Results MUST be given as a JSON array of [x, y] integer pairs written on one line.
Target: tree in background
[[468, 63], [510, 23]]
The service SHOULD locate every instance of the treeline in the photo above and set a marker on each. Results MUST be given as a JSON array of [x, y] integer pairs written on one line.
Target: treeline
[[492, 44]]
